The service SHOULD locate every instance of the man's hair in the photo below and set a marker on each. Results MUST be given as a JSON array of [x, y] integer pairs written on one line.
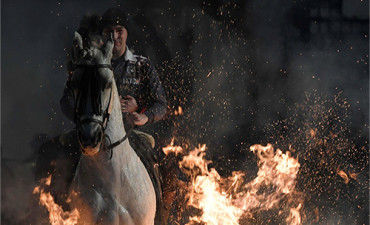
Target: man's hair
[[112, 17]]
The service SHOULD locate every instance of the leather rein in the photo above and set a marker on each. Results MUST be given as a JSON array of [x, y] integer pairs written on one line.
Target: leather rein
[[106, 114]]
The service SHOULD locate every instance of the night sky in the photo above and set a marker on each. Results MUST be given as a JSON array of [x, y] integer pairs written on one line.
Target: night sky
[[244, 72]]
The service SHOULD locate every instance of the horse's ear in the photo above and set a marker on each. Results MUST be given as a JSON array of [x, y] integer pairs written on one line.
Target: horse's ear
[[77, 46], [108, 47], [77, 41]]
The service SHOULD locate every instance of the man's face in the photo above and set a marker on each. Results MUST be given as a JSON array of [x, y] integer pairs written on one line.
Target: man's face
[[119, 34]]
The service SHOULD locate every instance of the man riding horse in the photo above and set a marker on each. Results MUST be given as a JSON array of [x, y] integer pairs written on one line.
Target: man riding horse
[[141, 95]]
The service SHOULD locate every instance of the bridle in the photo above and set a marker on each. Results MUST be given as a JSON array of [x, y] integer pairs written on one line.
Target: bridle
[[81, 101]]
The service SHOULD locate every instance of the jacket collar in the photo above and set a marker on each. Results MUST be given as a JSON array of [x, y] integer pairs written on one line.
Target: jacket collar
[[128, 56]]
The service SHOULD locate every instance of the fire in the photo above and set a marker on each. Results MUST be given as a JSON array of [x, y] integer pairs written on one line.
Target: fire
[[171, 148], [224, 201], [56, 214], [294, 216], [206, 192]]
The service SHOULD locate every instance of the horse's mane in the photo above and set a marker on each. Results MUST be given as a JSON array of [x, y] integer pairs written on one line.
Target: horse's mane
[[89, 29]]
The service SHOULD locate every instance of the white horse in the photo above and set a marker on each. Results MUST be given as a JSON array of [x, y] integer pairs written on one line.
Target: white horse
[[106, 189]]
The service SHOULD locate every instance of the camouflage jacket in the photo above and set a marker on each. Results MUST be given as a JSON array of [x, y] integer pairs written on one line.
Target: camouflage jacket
[[135, 76]]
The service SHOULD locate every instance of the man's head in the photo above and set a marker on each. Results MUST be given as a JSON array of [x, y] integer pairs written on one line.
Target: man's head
[[114, 22]]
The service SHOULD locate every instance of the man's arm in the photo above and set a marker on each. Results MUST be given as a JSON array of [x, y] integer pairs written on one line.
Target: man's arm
[[157, 102]]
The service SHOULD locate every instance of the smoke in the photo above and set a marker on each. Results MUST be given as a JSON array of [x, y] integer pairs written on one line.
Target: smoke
[[18, 205], [245, 72]]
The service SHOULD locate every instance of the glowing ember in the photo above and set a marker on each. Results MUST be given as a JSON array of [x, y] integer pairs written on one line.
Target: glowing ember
[[178, 111], [312, 133], [226, 200], [343, 175], [353, 175], [56, 214]]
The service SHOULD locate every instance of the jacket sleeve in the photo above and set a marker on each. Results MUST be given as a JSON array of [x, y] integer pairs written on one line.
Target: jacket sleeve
[[67, 101], [156, 98]]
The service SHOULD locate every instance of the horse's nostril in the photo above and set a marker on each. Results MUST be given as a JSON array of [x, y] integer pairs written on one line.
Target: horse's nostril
[[90, 135], [84, 139]]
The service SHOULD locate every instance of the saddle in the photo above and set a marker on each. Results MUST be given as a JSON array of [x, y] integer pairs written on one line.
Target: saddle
[[143, 144]]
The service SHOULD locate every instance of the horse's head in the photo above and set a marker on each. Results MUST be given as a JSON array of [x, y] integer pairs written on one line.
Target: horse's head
[[92, 82]]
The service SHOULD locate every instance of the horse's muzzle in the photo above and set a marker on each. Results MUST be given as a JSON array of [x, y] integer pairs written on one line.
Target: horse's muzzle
[[90, 136]]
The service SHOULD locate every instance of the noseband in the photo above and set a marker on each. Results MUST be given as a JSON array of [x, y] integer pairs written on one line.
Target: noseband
[[81, 101]]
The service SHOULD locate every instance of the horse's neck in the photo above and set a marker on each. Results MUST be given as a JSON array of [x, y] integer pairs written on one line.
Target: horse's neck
[[102, 164], [115, 128]]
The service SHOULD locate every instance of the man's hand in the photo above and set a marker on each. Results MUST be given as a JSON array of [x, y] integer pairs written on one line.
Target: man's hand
[[137, 119], [128, 104]]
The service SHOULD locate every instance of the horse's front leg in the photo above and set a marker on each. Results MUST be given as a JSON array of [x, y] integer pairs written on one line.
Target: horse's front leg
[[124, 216], [96, 209], [109, 217], [109, 214]]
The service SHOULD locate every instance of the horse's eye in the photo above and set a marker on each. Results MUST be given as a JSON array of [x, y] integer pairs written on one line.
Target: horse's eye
[[107, 33], [108, 85]]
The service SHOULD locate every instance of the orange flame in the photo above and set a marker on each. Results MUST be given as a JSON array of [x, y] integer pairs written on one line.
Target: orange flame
[[56, 214], [294, 216], [206, 192], [171, 148], [224, 201]]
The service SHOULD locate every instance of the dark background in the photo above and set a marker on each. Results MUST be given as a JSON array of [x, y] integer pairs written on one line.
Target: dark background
[[244, 72]]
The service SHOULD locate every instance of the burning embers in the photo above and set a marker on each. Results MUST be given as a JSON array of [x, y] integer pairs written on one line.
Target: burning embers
[[56, 214], [226, 201]]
